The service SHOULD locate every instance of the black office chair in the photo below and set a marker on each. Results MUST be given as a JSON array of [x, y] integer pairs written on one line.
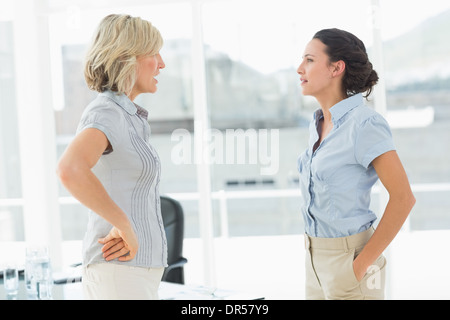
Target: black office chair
[[173, 219]]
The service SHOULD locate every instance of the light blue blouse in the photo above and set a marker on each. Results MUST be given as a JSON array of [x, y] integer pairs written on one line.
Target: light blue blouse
[[130, 173], [336, 179]]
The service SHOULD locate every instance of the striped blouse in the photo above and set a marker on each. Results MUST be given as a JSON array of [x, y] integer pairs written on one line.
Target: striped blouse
[[130, 172]]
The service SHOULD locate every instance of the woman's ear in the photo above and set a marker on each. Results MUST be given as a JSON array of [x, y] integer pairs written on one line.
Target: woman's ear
[[338, 68]]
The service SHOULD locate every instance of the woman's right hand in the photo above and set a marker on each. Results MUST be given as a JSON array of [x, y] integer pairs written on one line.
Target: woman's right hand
[[119, 244]]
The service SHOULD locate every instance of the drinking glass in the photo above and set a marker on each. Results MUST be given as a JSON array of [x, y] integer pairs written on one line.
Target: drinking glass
[[38, 275], [11, 280]]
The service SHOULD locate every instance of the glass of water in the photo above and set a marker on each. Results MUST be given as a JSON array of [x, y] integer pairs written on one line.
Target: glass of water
[[11, 280], [38, 275]]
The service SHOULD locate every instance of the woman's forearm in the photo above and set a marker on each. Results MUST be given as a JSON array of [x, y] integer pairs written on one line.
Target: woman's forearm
[[401, 200], [395, 215]]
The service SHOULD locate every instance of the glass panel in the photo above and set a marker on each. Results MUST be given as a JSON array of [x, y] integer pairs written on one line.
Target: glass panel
[[417, 75], [11, 217], [11, 223], [10, 182]]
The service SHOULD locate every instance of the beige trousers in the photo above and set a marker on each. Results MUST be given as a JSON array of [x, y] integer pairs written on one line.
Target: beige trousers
[[329, 269], [109, 281]]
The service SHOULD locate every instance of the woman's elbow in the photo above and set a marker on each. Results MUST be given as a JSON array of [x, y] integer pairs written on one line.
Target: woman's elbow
[[61, 171], [65, 172], [408, 201], [412, 201], [403, 200]]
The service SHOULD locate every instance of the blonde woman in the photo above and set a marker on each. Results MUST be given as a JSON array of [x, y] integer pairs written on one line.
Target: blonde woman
[[112, 169]]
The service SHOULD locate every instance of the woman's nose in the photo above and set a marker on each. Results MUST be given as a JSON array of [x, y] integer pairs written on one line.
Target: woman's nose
[[161, 63]]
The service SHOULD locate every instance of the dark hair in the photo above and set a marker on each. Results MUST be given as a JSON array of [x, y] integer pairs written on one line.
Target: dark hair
[[342, 45]]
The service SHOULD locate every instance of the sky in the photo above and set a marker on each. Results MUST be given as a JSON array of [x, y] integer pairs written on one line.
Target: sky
[[400, 16], [254, 31], [267, 35]]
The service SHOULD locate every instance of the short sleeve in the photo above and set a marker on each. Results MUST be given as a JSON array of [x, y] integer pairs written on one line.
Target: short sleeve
[[104, 119], [373, 139]]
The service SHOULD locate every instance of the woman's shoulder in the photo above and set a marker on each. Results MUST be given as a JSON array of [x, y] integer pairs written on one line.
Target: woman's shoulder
[[103, 103], [103, 108], [102, 112], [365, 114]]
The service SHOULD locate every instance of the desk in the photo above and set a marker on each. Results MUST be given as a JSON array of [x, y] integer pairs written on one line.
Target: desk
[[167, 291], [174, 291]]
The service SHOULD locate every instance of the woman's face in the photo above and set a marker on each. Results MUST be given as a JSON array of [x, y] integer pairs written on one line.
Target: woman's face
[[315, 70], [147, 69]]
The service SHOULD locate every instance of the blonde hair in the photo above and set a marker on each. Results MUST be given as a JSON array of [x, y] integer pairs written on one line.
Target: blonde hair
[[111, 60]]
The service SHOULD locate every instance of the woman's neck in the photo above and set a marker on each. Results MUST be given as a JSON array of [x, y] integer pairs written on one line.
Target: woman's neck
[[328, 101]]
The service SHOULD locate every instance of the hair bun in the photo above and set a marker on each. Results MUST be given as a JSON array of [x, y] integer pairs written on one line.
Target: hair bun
[[342, 45], [371, 81]]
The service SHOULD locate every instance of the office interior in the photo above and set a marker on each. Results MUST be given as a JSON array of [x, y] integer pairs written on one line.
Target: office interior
[[230, 71]]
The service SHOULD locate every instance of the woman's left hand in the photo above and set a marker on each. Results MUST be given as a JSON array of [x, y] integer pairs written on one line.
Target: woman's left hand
[[116, 246]]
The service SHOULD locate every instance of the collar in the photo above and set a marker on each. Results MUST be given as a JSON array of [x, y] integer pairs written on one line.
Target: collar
[[141, 111], [342, 108], [122, 100]]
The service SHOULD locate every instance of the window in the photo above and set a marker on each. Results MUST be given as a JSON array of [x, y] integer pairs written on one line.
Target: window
[[11, 217], [418, 97]]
